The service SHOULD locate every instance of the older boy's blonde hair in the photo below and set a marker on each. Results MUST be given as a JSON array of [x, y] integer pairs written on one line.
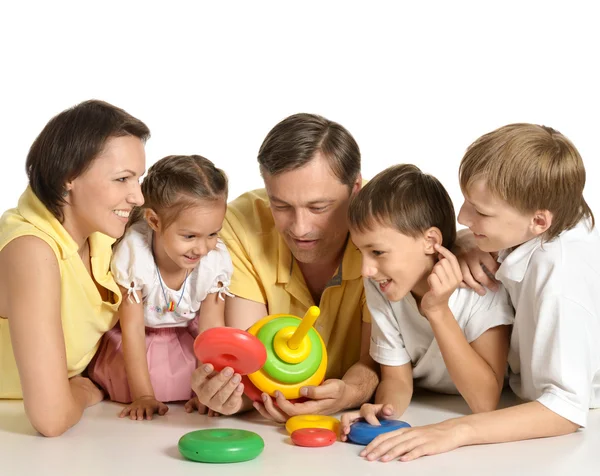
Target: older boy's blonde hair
[[406, 199], [532, 168]]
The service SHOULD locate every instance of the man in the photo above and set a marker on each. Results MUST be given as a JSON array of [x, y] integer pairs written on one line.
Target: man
[[290, 247]]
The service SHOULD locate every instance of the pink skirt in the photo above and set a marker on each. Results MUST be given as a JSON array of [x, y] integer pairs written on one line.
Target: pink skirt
[[171, 361]]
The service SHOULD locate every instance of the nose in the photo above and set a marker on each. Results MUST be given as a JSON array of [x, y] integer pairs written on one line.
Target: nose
[[201, 248], [136, 197], [463, 216], [301, 225], [367, 269]]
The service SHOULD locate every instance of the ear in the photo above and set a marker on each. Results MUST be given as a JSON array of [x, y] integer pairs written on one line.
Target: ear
[[357, 185], [541, 221], [152, 219], [432, 237]]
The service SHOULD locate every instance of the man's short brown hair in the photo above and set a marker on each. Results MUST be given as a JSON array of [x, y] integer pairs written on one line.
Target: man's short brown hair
[[532, 168], [70, 142], [293, 143], [407, 200]]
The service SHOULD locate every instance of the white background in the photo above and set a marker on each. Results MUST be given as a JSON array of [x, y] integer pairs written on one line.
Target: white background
[[412, 81]]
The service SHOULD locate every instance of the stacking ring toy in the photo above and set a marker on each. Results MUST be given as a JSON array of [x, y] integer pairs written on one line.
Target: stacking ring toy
[[228, 347], [312, 421], [362, 433], [221, 445], [313, 437], [296, 355]]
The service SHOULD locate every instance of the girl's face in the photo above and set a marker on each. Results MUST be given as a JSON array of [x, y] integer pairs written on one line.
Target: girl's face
[[191, 236], [101, 198]]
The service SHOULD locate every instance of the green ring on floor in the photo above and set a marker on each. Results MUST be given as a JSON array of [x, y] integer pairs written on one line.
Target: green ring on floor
[[221, 445]]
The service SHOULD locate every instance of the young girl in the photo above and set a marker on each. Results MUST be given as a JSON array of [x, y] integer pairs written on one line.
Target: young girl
[[173, 270], [424, 327]]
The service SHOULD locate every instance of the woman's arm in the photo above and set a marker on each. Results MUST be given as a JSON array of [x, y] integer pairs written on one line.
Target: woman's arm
[[53, 403]]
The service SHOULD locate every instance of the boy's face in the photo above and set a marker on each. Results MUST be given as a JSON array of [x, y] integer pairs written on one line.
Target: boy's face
[[396, 263], [495, 224]]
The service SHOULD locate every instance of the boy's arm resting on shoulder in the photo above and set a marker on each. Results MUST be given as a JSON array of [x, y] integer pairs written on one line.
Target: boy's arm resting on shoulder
[[52, 401]]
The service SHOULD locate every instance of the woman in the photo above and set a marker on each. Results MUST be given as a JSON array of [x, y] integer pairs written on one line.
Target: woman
[[57, 295]]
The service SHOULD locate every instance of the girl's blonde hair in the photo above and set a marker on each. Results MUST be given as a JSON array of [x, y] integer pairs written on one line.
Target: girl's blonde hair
[[176, 182], [531, 168]]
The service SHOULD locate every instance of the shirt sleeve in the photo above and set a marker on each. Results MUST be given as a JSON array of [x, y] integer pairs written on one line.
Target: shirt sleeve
[[562, 357], [490, 310], [132, 264], [387, 346], [220, 268], [245, 281]]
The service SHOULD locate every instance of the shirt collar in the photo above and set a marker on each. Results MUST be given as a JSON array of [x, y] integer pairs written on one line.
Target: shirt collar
[[514, 262]]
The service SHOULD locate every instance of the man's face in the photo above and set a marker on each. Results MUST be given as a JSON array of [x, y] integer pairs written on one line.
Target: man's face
[[310, 206]]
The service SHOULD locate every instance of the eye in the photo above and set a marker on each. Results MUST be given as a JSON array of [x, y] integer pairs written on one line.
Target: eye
[[480, 214], [122, 179], [213, 235], [318, 209], [377, 252], [189, 237]]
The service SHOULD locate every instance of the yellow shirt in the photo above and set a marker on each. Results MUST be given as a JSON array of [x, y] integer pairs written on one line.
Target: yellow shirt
[[264, 271], [85, 316]]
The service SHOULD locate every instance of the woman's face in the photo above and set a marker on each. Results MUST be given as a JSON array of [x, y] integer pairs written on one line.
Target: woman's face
[[101, 199]]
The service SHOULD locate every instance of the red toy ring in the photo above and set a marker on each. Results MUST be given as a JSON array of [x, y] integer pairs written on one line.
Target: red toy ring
[[229, 347], [313, 437]]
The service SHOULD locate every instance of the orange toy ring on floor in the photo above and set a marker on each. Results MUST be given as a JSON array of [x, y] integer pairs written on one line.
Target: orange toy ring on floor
[[228, 347]]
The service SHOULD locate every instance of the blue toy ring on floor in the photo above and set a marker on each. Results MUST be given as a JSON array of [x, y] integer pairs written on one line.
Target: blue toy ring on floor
[[362, 433], [221, 445]]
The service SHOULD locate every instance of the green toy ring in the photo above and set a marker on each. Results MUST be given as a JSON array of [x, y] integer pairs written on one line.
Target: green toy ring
[[221, 445], [282, 371]]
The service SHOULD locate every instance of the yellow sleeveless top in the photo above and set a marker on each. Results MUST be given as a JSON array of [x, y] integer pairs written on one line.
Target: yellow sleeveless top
[[85, 316]]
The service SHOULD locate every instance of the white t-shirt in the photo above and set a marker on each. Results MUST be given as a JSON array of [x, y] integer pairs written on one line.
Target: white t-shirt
[[134, 268], [400, 334], [554, 353]]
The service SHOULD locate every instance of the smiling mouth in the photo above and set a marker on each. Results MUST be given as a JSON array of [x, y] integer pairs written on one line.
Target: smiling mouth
[[122, 213]]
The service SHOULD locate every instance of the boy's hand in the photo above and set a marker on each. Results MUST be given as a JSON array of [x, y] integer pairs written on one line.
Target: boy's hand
[[477, 267], [369, 412], [443, 281]]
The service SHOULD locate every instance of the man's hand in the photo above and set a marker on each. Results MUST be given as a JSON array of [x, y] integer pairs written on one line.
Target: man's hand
[[325, 399], [221, 393]]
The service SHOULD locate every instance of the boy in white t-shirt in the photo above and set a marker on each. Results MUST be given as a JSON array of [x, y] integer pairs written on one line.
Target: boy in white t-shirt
[[424, 327], [523, 187]]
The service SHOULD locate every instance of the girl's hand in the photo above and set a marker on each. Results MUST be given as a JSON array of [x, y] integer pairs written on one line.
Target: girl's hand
[[412, 443], [369, 412], [144, 406], [443, 281]]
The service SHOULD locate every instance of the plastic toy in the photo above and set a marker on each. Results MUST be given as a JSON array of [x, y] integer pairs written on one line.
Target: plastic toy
[[313, 437], [362, 433], [312, 421], [228, 347], [221, 445], [296, 355]]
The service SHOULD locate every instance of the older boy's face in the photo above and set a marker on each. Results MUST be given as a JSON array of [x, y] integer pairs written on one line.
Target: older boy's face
[[396, 263], [309, 207], [495, 224]]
